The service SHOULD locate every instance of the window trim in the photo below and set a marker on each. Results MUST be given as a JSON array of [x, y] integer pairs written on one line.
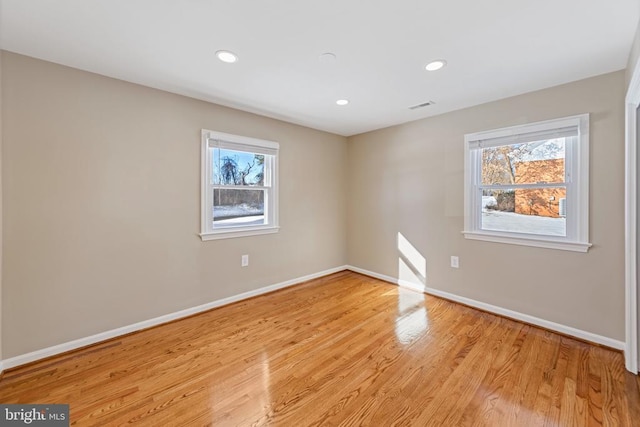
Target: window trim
[[576, 181], [238, 143]]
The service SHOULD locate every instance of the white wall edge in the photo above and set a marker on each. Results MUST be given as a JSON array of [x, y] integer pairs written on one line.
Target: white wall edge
[[631, 314], [631, 353], [552, 326], [114, 333]]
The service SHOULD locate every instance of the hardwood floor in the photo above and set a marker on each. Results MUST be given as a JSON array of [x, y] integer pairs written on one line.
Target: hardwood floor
[[342, 350]]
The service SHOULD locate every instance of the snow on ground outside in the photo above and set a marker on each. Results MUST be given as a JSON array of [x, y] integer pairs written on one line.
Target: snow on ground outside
[[239, 215], [509, 221], [488, 200], [491, 220], [240, 221], [237, 210]]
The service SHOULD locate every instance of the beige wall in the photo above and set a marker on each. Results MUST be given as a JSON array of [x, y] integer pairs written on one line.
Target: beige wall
[[102, 199], [408, 179], [101, 207]]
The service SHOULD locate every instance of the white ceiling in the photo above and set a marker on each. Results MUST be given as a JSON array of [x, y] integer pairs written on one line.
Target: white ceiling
[[494, 49]]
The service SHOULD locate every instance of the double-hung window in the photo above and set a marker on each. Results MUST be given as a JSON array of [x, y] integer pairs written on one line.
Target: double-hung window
[[529, 184], [239, 192]]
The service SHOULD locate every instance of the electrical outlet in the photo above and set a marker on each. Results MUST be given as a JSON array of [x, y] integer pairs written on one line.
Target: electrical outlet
[[455, 262], [245, 260]]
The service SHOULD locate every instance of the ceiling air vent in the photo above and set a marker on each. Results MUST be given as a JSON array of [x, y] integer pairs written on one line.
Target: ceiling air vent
[[424, 104]]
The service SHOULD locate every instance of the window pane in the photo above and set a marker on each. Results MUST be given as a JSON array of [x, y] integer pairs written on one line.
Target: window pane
[[237, 167], [233, 207], [528, 163], [534, 211]]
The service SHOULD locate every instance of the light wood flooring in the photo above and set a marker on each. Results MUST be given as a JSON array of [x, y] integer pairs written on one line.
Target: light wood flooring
[[344, 350]]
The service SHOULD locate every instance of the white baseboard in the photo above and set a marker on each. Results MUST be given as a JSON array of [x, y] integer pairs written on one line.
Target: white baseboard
[[557, 327], [103, 336]]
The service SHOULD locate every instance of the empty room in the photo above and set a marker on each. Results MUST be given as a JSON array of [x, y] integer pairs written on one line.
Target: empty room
[[337, 213]]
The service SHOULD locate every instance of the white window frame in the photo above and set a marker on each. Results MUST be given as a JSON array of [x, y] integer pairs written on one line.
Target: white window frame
[[237, 143], [576, 183]]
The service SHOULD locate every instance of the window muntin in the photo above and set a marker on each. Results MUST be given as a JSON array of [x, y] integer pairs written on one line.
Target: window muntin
[[239, 194], [529, 184]]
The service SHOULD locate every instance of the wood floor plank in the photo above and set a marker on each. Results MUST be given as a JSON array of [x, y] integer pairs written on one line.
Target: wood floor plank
[[487, 403], [342, 350]]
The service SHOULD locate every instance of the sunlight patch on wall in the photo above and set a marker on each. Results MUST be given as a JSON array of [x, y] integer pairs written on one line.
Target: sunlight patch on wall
[[407, 275], [412, 266], [412, 255]]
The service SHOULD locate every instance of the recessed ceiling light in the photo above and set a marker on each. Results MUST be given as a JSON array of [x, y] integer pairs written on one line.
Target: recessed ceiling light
[[327, 57], [435, 65], [342, 101], [226, 56]]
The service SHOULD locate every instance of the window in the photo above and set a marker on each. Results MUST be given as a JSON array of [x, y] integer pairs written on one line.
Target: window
[[529, 184], [239, 186]]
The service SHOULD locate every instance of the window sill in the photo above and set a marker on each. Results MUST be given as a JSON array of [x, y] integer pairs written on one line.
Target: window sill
[[528, 241], [230, 233]]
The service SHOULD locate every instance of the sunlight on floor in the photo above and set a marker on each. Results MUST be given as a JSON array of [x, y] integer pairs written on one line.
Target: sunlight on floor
[[249, 391], [263, 400], [412, 321]]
